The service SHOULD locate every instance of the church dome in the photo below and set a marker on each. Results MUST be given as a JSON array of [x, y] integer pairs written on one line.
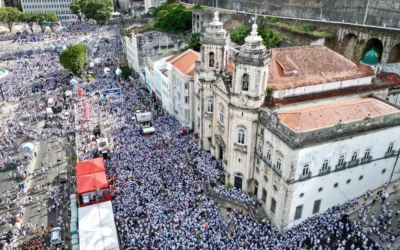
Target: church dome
[[371, 57]]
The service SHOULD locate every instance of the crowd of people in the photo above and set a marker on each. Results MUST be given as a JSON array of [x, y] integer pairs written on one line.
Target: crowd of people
[[159, 182]]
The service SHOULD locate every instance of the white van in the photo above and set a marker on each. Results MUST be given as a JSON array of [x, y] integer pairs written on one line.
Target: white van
[[51, 102], [49, 113], [56, 236]]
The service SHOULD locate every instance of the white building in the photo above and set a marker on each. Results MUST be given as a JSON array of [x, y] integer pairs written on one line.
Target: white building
[[301, 128], [60, 7], [181, 77], [152, 4]]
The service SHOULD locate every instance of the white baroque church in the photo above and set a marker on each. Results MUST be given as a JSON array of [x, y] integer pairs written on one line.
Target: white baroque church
[[301, 128]]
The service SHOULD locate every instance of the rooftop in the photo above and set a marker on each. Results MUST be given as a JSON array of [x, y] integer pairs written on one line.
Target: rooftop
[[306, 119], [185, 62], [300, 66], [391, 79]]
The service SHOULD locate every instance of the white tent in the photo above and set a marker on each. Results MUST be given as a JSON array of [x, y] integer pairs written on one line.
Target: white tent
[[97, 228]]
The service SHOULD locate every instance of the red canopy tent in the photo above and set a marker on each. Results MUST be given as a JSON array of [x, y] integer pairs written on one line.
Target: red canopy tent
[[91, 182], [91, 166]]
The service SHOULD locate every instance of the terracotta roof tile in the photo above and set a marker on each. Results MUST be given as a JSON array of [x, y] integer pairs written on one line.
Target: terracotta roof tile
[[327, 94], [327, 115], [185, 63], [173, 57], [294, 67], [390, 78]]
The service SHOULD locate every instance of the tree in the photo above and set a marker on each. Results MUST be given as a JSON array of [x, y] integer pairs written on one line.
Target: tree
[[30, 19], [9, 16], [239, 34], [193, 41], [126, 71], [173, 17], [47, 20], [75, 7], [74, 58], [98, 10], [271, 39]]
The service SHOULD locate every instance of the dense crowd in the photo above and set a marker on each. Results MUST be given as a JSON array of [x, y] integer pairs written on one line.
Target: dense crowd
[[159, 182]]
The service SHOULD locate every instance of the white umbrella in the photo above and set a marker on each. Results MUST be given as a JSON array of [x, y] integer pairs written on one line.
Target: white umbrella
[[118, 71], [64, 47], [28, 147], [73, 82], [52, 47], [106, 70], [91, 64]]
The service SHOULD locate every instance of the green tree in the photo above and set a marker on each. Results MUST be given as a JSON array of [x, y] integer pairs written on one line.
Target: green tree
[[30, 19], [194, 41], [9, 16], [173, 17], [45, 20], [126, 71], [271, 39], [98, 10], [75, 7], [74, 58], [239, 34], [198, 7]]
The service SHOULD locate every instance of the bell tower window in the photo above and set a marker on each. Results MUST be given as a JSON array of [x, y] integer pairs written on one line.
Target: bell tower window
[[245, 82], [212, 60]]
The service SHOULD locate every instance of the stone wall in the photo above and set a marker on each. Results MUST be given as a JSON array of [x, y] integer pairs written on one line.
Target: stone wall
[[353, 11]]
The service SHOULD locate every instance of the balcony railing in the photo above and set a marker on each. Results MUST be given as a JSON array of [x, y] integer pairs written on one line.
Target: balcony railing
[[341, 166], [389, 154], [353, 164], [325, 171], [366, 160], [305, 176]]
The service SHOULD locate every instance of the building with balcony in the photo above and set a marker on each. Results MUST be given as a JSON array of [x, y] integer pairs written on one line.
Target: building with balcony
[[300, 128]]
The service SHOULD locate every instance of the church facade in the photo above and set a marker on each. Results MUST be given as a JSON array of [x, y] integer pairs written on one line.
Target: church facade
[[301, 128]]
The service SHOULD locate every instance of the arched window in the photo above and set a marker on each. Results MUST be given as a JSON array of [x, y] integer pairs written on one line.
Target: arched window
[[269, 155], [354, 157], [245, 82], [278, 163], [367, 153], [325, 165], [341, 160], [221, 117], [210, 106], [260, 146], [390, 148], [241, 136], [212, 60], [305, 169]]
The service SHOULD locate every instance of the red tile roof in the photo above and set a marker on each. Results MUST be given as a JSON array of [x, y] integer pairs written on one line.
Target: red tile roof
[[185, 63], [173, 57], [390, 78], [327, 115], [327, 94], [310, 65]]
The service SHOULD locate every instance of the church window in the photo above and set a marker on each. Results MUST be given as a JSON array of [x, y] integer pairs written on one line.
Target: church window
[[367, 153], [221, 117], [260, 146], [212, 60], [269, 155], [278, 163], [354, 157], [241, 136], [390, 148], [245, 82], [210, 106], [341, 160], [305, 169], [325, 165]]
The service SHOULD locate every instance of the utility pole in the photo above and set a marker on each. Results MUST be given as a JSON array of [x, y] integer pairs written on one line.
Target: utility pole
[[366, 13]]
